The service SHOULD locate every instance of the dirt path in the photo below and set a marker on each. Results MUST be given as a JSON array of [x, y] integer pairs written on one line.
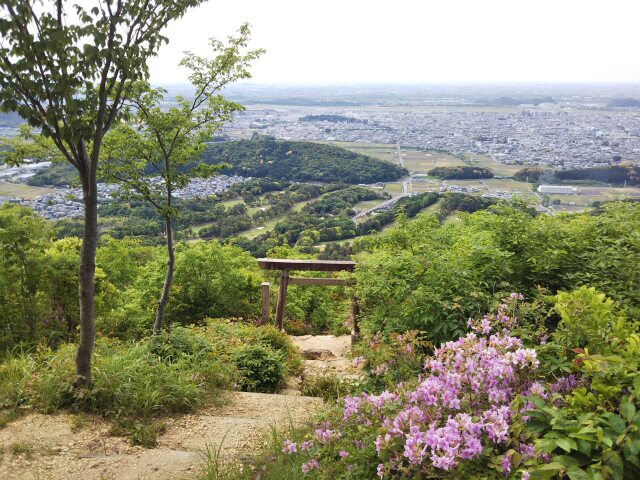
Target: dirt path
[[57, 447]]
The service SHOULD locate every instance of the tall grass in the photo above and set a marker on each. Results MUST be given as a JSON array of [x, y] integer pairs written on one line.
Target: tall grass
[[14, 377], [270, 463]]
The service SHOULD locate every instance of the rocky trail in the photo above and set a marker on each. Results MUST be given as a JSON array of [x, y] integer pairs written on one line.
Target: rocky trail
[[57, 447]]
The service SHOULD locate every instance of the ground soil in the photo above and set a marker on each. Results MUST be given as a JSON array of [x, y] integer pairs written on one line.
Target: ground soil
[[67, 447]]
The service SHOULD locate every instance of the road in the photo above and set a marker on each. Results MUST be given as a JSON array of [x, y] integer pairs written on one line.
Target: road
[[406, 183], [382, 205]]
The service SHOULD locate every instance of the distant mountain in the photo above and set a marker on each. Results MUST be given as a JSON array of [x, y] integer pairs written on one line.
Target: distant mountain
[[301, 161], [624, 103]]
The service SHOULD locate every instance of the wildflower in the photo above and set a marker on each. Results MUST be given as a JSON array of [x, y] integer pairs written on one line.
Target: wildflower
[[357, 361], [311, 465], [343, 453], [380, 369], [289, 447], [527, 450], [326, 435], [506, 465], [380, 470], [351, 406], [306, 445]]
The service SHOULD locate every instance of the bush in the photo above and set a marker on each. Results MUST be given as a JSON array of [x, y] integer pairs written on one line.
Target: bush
[[432, 277], [178, 343], [279, 342], [262, 368], [487, 407], [327, 386]]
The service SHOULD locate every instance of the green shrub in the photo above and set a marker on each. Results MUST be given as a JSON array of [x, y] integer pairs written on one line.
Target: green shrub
[[280, 342], [428, 276], [179, 342], [262, 368], [593, 430], [328, 387]]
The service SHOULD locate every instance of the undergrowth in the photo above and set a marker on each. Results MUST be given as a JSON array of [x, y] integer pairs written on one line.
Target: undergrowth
[[135, 384]]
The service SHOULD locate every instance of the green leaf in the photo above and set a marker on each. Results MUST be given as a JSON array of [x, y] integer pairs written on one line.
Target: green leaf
[[576, 473], [567, 444], [555, 466], [567, 460], [627, 409]]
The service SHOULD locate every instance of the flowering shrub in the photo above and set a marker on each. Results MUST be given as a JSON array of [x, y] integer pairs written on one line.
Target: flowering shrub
[[390, 360], [487, 407], [453, 421]]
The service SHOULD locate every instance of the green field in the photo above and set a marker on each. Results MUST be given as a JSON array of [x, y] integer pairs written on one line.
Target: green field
[[18, 190], [264, 228], [421, 162], [487, 161], [394, 189], [268, 226], [588, 195]]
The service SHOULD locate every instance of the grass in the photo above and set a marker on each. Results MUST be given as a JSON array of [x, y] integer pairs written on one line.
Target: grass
[[270, 463], [421, 162], [18, 190], [394, 189], [136, 384], [487, 161], [329, 387], [270, 224], [24, 449]]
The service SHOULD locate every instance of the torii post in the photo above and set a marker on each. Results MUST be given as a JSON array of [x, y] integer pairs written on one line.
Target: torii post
[[288, 265]]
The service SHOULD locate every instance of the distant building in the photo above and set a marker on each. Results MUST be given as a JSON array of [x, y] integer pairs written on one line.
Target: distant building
[[560, 189]]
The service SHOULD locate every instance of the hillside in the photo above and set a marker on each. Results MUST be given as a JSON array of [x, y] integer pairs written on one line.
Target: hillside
[[300, 161]]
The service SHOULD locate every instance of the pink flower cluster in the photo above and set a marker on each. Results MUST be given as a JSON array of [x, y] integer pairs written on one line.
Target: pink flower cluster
[[460, 406]]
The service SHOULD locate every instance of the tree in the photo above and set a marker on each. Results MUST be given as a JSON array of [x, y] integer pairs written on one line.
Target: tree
[[24, 236], [159, 153], [68, 72]]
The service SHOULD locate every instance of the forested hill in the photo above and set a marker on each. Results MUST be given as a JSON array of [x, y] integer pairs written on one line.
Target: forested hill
[[301, 161]]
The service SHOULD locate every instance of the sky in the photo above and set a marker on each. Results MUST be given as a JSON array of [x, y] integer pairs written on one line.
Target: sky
[[418, 41]]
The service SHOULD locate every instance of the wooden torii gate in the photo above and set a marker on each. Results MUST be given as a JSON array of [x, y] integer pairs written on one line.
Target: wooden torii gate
[[285, 266]]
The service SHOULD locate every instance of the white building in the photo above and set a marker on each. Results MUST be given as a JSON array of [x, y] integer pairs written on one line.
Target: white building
[[560, 189]]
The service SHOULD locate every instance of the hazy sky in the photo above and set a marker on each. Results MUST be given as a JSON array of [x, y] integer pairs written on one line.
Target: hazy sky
[[419, 41]]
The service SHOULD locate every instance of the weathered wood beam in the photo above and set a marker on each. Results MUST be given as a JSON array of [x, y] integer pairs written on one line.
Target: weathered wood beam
[[266, 307], [307, 265], [282, 298]]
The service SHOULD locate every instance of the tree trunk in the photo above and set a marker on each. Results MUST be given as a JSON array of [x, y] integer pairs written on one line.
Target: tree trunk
[[168, 281], [87, 285]]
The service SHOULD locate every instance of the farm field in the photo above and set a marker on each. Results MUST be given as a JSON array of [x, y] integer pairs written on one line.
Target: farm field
[[588, 195], [421, 162], [487, 161], [425, 185], [394, 189], [17, 190]]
